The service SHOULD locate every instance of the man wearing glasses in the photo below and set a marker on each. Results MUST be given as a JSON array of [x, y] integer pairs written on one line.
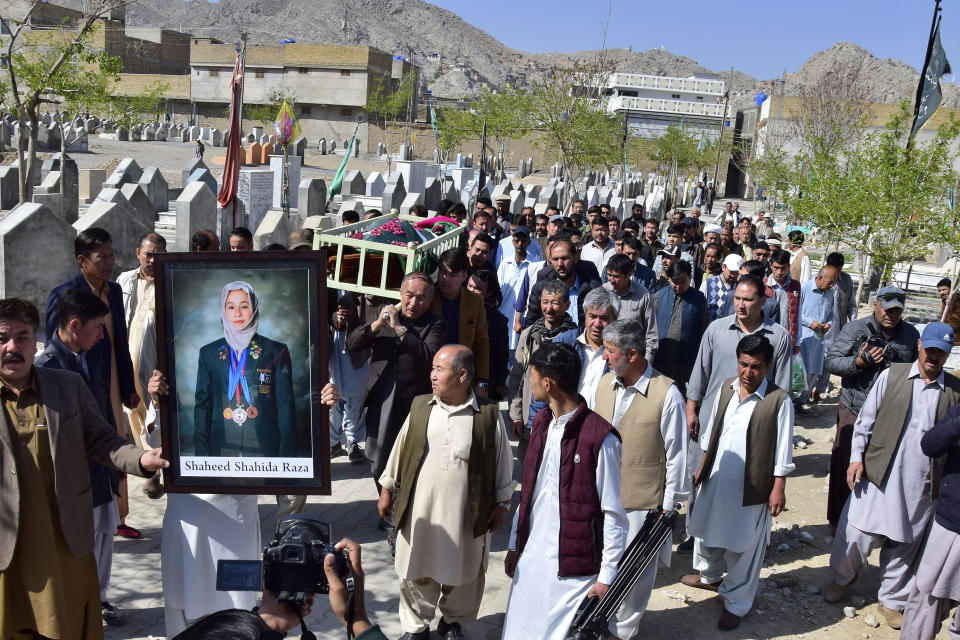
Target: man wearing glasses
[[863, 350]]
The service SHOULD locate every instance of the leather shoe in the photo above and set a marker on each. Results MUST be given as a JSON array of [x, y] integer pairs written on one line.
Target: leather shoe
[[449, 630], [837, 592], [419, 635], [728, 621], [693, 580], [892, 617]]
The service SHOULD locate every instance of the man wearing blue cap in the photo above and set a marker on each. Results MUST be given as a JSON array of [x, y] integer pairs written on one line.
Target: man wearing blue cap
[[894, 484]]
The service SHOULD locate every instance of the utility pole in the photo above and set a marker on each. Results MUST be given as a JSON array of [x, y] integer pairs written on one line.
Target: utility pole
[[723, 121], [411, 101], [243, 71]]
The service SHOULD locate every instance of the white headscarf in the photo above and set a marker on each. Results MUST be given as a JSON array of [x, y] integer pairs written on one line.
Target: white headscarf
[[239, 339]]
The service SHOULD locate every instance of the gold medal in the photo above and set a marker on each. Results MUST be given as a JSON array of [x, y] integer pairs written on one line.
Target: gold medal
[[227, 413]]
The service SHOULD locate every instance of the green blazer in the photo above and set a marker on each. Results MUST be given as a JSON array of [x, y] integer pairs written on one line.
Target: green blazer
[[272, 432]]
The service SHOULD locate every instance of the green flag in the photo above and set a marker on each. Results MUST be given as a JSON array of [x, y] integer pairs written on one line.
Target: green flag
[[337, 183], [929, 94]]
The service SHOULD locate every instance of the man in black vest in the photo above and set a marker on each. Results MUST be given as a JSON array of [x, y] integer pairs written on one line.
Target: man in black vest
[[448, 483], [741, 481], [894, 484]]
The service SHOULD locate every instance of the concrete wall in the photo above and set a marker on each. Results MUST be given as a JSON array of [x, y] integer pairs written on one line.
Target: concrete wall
[[310, 85]]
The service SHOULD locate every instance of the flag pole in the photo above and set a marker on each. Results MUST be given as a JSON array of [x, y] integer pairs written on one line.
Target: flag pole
[[923, 70]]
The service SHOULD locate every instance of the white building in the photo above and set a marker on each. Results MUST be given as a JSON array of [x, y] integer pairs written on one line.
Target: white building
[[653, 103]]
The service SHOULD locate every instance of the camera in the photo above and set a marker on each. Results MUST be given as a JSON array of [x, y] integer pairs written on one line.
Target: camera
[[292, 565], [888, 353]]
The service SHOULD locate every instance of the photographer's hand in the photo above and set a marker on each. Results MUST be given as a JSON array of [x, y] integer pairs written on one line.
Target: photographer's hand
[[282, 616], [339, 597]]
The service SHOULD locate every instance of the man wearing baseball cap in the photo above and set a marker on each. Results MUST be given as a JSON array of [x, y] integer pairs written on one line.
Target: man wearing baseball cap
[[864, 348], [894, 484], [719, 289], [665, 257]]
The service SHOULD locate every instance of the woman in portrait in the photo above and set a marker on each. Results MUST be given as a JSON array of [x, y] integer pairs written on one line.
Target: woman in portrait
[[244, 398]]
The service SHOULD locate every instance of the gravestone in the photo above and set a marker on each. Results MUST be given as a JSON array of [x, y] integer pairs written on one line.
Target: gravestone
[[298, 147], [127, 171], [187, 171], [265, 152], [414, 175], [89, 182], [155, 186], [393, 194], [196, 209], [125, 229], [71, 184], [374, 185], [356, 148], [353, 184], [347, 205], [517, 198], [461, 177], [194, 133], [250, 137], [548, 195], [149, 133], [409, 200], [78, 140], [275, 226], [381, 149], [293, 179], [48, 193], [26, 272], [216, 138], [254, 195], [140, 204], [256, 131], [432, 194], [264, 139], [312, 199], [136, 133], [449, 191], [204, 176], [322, 146], [254, 154], [183, 135]]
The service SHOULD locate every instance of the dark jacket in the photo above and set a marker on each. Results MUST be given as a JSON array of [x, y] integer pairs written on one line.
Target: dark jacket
[[99, 356], [104, 482], [944, 439], [855, 383], [581, 518], [272, 431], [675, 358], [399, 371], [497, 329], [533, 300]]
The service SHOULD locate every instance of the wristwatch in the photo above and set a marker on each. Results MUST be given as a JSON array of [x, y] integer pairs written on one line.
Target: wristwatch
[[482, 384]]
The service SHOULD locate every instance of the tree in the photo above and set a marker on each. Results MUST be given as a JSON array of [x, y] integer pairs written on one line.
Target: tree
[[266, 113], [131, 110], [454, 127], [567, 111], [505, 114], [884, 199], [387, 105], [41, 73]]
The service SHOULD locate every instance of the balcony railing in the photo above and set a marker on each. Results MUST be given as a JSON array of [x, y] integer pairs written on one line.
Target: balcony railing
[[689, 85], [680, 107]]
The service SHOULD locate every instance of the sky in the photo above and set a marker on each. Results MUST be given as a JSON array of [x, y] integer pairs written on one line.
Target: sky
[[759, 38]]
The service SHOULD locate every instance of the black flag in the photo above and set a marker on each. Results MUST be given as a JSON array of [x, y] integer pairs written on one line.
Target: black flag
[[929, 94]]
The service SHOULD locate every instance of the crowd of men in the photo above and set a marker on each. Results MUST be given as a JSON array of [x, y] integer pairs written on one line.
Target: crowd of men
[[643, 363]]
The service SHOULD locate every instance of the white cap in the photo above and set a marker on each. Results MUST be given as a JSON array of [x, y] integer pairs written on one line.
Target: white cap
[[733, 262], [712, 228]]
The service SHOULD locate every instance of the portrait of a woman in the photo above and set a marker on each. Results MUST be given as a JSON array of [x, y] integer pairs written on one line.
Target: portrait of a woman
[[244, 398]]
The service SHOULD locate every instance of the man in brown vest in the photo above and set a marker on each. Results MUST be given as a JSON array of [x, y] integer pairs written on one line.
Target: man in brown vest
[[647, 409], [448, 482], [894, 484], [741, 481], [800, 267]]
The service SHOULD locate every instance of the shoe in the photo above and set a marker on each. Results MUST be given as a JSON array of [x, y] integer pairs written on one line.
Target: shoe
[[837, 592], [111, 617], [355, 453], [686, 547], [152, 488], [815, 397], [125, 531], [693, 580], [728, 621], [449, 631], [892, 617], [419, 635], [800, 410], [337, 450]]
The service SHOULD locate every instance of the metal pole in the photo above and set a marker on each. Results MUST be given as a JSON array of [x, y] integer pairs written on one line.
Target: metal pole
[[483, 156], [285, 204], [723, 119], [243, 72]]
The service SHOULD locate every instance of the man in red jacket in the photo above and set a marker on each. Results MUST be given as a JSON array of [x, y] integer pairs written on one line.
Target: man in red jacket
[[577, 453]]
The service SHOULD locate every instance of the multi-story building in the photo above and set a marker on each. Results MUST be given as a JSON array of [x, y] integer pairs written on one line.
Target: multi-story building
[[653, 103]]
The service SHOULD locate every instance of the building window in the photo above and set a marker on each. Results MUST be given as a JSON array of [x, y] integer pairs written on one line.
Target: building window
[[346, 113], [699, 97], [258, 75], [303, 71], [304, 111], [344, 73], [213, 73], [675, 96]]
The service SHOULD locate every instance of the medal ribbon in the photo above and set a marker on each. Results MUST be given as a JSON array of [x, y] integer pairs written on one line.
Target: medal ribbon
[[237, 381]]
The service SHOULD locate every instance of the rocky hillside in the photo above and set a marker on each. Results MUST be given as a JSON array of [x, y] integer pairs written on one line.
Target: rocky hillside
[[459, 59]]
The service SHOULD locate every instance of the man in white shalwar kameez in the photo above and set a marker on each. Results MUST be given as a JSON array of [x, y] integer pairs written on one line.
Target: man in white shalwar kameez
[[546, 591], [750, 431], [441, 549], [891, 478], [648, 411]]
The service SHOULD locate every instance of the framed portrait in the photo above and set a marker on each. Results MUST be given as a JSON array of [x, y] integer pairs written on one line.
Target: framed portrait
[[242, 339]]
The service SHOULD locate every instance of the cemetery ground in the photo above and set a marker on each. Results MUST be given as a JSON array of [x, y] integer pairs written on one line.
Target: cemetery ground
[[789, 603]]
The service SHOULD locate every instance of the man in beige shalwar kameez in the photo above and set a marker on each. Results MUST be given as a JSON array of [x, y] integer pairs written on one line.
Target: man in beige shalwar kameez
[[449, 478]]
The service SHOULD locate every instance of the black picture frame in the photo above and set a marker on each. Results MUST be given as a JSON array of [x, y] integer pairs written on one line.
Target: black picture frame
[[278, 454]]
